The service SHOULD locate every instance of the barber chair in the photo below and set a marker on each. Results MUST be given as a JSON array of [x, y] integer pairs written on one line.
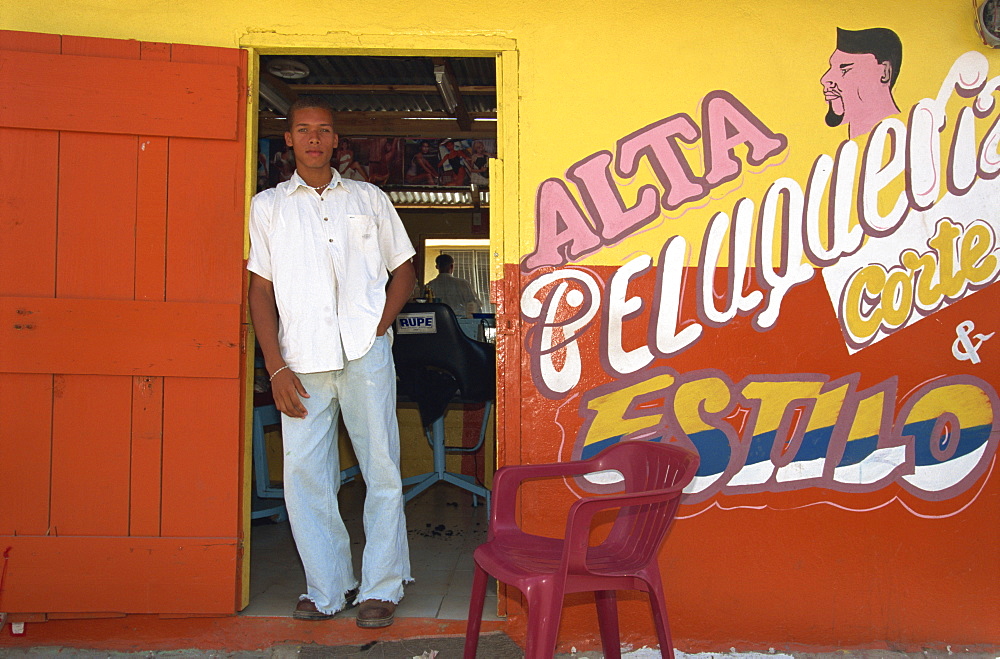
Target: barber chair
[[437, 365]]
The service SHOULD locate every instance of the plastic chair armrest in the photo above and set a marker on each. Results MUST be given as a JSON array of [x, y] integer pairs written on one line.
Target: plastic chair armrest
[[506, 482]]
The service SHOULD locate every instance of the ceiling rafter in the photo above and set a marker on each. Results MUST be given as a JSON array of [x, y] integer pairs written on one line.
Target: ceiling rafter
[[471, 90], [396, 124]]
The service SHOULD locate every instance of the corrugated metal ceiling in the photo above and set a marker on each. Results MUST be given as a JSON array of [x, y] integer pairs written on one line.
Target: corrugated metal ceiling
[[338, 71]]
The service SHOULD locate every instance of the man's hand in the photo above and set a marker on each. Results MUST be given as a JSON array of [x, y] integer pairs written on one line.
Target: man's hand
[[285, 385], [398, 292], [286, 388]]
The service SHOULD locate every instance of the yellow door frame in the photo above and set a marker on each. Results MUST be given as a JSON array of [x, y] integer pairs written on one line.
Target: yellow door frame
[[504, 235]]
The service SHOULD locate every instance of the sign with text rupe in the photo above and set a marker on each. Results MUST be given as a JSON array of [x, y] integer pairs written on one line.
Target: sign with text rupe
[[416, 323]]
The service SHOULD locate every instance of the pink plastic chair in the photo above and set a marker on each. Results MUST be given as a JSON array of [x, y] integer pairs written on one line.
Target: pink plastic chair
[[545, 569]]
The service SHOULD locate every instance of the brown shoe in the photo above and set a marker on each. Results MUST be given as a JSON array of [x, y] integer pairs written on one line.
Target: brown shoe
[[376, 613], [306, 610]]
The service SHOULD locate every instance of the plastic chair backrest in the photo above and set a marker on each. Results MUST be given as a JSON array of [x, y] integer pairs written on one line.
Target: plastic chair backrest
[[656, 473], [653, 478]]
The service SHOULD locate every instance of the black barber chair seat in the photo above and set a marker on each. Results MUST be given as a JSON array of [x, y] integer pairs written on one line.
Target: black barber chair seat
[[436, 365]]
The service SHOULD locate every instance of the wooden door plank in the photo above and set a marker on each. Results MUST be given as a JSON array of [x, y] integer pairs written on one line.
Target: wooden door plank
[[201, 456], [96, 216], [28, 185], [206, 180], [151, 219], [146, 451], [29, 176], [127, 575], [33, 42], [192, 54], [150, 97], [154, 50], [91, 419], [150, 284], [119, 337], [25, 453], [151, 203], [100, 47], [204, 226], [228, 180]]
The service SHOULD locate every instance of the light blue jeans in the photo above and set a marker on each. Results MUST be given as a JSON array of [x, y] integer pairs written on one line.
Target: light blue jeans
[[365, 392]]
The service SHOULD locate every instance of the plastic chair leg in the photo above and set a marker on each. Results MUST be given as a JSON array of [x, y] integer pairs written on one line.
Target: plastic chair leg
[[607, 618], [479, 581], [660, 620], [544, 613]]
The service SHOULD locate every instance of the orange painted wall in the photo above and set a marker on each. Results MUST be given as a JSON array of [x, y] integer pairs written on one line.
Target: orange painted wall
[[811, 565]]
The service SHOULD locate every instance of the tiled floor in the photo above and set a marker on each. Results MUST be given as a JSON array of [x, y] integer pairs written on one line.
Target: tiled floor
[[444, 529]]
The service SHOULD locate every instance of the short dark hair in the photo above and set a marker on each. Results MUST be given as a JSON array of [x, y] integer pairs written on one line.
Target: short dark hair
[[444, 261], [881, 42], [304, 102]]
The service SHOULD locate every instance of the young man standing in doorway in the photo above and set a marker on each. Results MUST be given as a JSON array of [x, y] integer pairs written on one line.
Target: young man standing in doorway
[[322, 251]]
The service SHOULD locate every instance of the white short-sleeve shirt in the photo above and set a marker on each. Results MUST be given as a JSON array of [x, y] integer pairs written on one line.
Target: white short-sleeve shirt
[[328, 257]]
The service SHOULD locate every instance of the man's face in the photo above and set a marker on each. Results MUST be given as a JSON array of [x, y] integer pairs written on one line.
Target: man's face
[[312, 139], [851, 83]]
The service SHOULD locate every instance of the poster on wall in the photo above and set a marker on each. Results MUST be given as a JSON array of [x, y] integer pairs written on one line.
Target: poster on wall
[[814, 321], [449, 162], [275, 162], [389, 161], [377, 160]]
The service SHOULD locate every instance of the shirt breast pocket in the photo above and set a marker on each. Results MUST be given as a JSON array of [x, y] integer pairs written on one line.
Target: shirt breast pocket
[[362, 235], [361, 230]]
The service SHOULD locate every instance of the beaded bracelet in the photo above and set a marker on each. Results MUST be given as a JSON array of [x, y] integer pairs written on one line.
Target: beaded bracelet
[[278, 371]]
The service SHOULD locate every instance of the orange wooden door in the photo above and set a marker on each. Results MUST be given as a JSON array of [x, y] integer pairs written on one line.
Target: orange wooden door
[[121, 234]]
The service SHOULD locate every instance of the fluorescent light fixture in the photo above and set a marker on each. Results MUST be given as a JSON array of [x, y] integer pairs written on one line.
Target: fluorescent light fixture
[[457, 242], [445, 118], [445, 87]]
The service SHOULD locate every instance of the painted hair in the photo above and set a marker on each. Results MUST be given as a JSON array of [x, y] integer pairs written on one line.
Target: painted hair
[[881, 42], [304, 102]]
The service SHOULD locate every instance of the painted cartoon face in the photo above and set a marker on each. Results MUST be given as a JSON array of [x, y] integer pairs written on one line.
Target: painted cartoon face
[[312, 139], [852, 85]]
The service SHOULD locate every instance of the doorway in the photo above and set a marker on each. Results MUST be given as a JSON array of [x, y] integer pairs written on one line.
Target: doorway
[[423, 128]]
